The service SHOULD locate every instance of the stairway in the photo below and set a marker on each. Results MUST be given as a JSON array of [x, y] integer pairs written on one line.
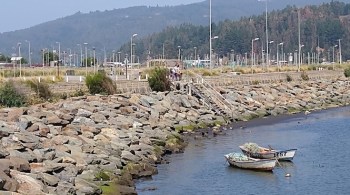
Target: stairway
[[212, 98]]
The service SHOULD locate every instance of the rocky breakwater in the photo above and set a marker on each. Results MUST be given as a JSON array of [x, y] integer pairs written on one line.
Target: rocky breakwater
[[272, 99], [88, 144]]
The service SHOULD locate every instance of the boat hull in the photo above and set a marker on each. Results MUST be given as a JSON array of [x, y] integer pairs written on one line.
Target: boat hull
[[283, 155], [253, 164]]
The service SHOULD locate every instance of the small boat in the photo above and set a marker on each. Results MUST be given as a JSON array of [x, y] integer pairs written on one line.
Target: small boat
[[242, 161], [256, 151]]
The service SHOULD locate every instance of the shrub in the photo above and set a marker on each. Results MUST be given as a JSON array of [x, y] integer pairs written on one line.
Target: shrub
[[159, 79], [10, 97], [347, 72], [304, 76], [41, 89], [289, 78], [255, 82], [100, 83]]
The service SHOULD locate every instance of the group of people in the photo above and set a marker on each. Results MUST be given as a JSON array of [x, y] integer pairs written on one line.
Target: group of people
[[175, 73]]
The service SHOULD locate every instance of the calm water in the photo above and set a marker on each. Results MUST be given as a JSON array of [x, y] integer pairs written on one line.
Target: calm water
[[321, 166]]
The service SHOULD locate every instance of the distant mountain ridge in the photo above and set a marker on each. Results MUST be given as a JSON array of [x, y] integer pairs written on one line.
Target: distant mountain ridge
[[110, 29]]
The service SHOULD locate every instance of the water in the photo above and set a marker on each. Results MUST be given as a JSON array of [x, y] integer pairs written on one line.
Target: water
[[321, 165]]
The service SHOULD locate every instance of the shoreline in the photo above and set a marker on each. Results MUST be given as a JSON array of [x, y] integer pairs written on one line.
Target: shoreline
[[99, 143]]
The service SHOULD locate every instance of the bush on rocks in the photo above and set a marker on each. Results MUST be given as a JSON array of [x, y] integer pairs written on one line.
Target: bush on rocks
[[347, 72], [10, 96], [289, 78], [159, 79], [304, 76], [41, 89], [100, 83]]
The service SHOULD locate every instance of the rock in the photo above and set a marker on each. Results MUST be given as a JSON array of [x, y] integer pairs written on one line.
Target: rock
[[128, 156], [8, 183], [19, 164], [83, 113], [127, 190], [14, 114], [65, 187], [85, 187], [27, 184], [3, 152], [98, 118], [47, 179]]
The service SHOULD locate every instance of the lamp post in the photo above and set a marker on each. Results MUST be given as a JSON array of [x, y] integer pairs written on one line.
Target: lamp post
[[20, 60], [94, 50], [86, 59], [81, 54], [195, 53], [119, 53], [70, 56], [252, 56], [278, 60], [210, 35], [29, 53], [131, 49], [211, 49], [179, 53], [300, 57], [333, 52], [59, 52], [340, 55], [268, 57]]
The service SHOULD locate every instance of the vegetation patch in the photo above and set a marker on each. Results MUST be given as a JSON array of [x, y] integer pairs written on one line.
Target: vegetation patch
[[289, 78], [347, 72], [305, 76], [41, 89], [202, 125], [10, 96], [185, 128], [159, 79], [102, 176], [110, 189], [174, 143], [100, 83]]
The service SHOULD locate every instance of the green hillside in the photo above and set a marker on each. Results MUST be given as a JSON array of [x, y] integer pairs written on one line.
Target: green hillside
[[320, 26]]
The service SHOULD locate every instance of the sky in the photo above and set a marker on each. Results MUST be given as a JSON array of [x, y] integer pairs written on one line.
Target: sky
[[20, 14]]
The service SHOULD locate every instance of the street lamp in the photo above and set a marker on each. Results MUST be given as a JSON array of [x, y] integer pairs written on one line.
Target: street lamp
[[59, 52], [119, 60], [195, 53], [252, 57], [81, 54], [333, 52], [179, 54], [267, 35], [299, 39], [210, 34], [278, 60], [86, 60], [340, 55], [131, 50], [211, 49], [20, 60], [94, 50], [29, 53], [268, 54], [300, 57]]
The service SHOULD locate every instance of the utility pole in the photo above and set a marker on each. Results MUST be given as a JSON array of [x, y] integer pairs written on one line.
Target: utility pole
[[299, 57]]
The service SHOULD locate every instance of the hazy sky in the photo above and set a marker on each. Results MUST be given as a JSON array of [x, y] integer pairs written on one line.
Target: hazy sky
[[19, 14]]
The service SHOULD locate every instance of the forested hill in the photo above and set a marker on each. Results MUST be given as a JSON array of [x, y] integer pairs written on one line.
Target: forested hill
[[320, 25], [111, 29]]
